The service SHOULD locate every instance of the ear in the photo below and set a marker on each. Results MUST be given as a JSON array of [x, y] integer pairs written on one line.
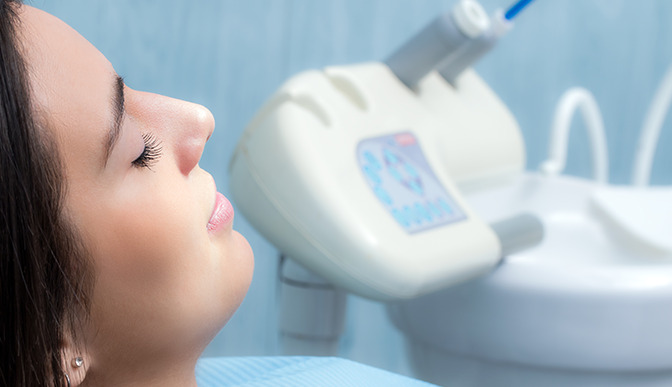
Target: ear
[[75, 361]]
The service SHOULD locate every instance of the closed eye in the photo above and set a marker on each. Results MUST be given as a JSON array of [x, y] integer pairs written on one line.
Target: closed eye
[[150, 154]]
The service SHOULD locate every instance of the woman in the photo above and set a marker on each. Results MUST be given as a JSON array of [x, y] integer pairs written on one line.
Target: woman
[[119, 263], [118, 259]]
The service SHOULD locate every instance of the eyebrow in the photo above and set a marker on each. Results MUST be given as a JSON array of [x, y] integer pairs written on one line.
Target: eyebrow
[[118, 111]]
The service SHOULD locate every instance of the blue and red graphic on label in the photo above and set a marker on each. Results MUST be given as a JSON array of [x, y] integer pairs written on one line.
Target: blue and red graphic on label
[[396, 170]]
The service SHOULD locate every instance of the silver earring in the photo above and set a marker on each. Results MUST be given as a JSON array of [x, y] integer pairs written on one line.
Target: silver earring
[[67, 379], [77, 362]]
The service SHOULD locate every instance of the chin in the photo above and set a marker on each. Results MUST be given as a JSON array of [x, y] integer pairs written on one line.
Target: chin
[[242, 258], [244, 246]]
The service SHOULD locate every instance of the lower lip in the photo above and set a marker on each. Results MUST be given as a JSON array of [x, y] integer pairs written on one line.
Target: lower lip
[[222, 215]]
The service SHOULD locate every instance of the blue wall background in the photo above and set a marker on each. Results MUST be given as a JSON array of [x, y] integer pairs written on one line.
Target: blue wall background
[[230, 55]]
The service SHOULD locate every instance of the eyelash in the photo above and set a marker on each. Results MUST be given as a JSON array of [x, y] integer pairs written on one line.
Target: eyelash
[[151, 154]]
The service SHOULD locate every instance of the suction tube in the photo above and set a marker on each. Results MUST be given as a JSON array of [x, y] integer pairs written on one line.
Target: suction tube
[[573, 99], [453, 65], [653, 123], [445, 35]]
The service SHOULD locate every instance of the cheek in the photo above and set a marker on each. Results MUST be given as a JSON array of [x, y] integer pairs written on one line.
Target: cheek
[[160, 274], [151, 259], [151, 239]]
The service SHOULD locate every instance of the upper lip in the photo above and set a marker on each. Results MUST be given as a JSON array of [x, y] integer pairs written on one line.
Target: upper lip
[[213, 198]]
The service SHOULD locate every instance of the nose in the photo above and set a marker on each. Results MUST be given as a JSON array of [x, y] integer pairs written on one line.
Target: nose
[[183, 127], [195, 126]]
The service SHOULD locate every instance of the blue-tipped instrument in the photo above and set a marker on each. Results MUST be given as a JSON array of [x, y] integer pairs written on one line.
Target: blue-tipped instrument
[[516, 8]]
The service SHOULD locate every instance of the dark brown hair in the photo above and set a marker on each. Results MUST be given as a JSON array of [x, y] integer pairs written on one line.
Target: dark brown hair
[[43, 271]]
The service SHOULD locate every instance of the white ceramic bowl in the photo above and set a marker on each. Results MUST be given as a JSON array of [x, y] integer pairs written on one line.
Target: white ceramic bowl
[[584, 307]]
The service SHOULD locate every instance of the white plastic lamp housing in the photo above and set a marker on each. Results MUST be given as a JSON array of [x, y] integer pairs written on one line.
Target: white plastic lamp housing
[[302, 175]]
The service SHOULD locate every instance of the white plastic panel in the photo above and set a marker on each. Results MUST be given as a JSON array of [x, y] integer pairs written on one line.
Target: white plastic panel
[[298, 176]]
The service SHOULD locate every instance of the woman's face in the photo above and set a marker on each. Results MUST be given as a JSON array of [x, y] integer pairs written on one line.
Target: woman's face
[[169, 269]]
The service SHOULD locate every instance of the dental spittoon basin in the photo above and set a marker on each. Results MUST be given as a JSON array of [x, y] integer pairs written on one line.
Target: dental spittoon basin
[[585, 307]]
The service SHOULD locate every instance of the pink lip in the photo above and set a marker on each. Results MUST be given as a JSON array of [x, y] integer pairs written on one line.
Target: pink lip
[[222, 214]]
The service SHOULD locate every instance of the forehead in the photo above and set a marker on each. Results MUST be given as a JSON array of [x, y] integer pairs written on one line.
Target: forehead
[[71, 83]]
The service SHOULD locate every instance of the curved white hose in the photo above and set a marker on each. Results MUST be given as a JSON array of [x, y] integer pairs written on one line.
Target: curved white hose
[[648, 139], [582, 99]]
